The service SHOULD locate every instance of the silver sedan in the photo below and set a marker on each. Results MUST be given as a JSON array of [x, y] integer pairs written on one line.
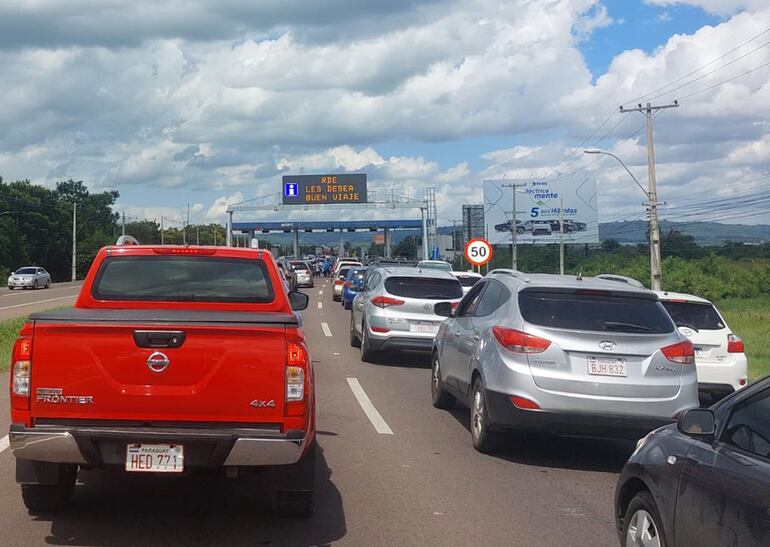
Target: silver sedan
[[29, 277]]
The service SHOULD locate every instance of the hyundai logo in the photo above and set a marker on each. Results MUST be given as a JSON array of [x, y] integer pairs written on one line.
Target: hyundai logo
[[607, 345], [427, 306], [157, 362]]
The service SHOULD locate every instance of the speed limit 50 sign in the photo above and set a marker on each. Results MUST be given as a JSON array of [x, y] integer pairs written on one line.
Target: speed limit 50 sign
[[478, 251]]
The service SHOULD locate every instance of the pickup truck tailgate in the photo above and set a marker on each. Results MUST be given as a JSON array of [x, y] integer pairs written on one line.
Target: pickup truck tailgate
[[227, 368]]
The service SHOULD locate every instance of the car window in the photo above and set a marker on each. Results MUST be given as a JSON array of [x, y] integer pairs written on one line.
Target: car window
[[749, 425], [25, 271], [427, 288], [597, 311], [299, 266], [468, 280], [495, 296], [183, 279], [372, 281], [343, 273], [694, 314], [468, 305]]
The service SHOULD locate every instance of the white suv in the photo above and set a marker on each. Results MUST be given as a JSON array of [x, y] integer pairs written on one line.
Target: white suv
[[719, 358]]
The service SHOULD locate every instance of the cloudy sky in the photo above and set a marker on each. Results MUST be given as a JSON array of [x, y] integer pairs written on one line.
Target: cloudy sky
[[209, 102]]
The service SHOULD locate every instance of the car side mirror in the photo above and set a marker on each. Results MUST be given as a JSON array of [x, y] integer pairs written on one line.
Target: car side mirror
[[444, 309], [697, 422], [298, 300]]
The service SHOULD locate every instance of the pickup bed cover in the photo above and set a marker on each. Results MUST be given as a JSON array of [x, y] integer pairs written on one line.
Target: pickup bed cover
[[161, 316]]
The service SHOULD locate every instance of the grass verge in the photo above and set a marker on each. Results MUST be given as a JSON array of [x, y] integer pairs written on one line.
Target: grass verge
[[749, 318], [9, 330]]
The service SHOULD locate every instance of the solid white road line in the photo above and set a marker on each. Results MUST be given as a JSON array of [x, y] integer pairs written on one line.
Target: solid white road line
[[321, 292], [4, 443], [38, 302], [380, 426], [326, 329], [320, 305]]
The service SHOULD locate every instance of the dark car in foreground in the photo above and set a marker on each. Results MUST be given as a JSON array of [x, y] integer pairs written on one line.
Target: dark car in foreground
[[703, 481]]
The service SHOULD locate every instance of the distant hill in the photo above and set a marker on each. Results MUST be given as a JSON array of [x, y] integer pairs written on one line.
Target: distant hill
[[705, 233]]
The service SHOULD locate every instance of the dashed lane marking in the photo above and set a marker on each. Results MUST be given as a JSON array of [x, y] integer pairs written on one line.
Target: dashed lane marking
[[38, 302], [321, 292], [326, 329], [4, 443], [320, 305], [376, 419]]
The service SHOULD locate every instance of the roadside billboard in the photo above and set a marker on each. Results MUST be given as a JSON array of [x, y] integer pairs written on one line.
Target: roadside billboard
[[538, 210]]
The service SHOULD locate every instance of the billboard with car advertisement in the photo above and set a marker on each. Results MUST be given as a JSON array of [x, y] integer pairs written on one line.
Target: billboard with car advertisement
[[538, 210]]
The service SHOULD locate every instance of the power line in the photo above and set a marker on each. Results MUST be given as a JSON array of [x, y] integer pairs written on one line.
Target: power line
[[724, 81], [642, 97]]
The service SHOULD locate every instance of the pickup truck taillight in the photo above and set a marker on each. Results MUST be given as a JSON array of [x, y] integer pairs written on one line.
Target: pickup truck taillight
[[296, 378], [21, 369]]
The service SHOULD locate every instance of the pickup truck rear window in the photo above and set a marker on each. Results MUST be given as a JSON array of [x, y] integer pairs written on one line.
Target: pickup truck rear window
[[426, 288], [183, 279], [601, 313]]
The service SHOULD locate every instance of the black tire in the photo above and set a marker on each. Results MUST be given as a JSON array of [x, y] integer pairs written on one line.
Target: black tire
[[367, 355], [35, 285], [441, 399], [46, 498], [48, 284], [10, 288], [484, 439], [354, 341], [643, 501], [293, 486]]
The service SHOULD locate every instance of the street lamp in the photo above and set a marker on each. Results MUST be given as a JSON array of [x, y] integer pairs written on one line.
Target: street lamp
[[655, 267]]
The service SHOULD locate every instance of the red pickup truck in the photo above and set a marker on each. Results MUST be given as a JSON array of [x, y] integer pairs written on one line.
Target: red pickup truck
[[173, 359]]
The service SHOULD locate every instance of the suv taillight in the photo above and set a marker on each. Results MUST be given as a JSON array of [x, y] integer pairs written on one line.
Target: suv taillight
[[386, 301], [682, 353], [21, 369], [734, 344], [520, 342], [296, 372]]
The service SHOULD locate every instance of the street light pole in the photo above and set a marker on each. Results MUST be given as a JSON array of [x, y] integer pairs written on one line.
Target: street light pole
[[652, 198], [74, 238], [514, 231]]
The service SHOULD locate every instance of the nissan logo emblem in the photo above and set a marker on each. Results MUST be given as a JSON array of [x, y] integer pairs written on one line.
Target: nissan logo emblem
[[157, 362], [606, 345]]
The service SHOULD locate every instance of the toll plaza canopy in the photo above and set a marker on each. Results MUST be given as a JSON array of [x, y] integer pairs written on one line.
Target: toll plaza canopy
[[327, 225]]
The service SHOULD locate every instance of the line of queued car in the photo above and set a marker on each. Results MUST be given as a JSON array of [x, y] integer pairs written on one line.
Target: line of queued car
[[595, 357], [29, 277]]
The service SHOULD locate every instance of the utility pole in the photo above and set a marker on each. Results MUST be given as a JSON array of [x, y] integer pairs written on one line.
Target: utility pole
[[74, 238], [197, 234], [162, 242], [214, 229], [514, 257], [124, 223], [561, 236], [652, 192]]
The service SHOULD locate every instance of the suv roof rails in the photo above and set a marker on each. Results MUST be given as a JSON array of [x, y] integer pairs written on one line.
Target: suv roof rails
[[513, 273], [621, 279], [126, 240]]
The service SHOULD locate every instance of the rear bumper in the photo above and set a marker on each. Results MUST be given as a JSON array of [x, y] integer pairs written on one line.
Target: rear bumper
[[105, 446], [401, 343], [505, 415]]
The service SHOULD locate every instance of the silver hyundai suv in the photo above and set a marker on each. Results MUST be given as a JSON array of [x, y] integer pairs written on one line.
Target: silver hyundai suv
[[561, 355], [394, 310]]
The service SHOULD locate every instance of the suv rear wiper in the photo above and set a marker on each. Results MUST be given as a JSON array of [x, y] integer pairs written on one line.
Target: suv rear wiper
[[615, 325]]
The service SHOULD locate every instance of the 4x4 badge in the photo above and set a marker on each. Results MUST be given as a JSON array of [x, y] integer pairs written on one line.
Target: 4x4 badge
[[256, 403]]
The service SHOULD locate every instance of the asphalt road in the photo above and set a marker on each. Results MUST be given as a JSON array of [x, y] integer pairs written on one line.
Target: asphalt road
[[416, 482], [21, 302]]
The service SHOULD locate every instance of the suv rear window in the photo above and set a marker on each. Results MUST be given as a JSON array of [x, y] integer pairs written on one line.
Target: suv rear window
[[299, 266], [424, 287], [468, 280], [599, 313], [183, 279], [694, 314]]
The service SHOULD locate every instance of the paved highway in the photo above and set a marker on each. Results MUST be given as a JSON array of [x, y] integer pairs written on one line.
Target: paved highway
[[21, 302], [393, 471]]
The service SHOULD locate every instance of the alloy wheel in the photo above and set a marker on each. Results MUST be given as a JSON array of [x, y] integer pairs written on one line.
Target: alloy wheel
[[642, 531], [477, 416]]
